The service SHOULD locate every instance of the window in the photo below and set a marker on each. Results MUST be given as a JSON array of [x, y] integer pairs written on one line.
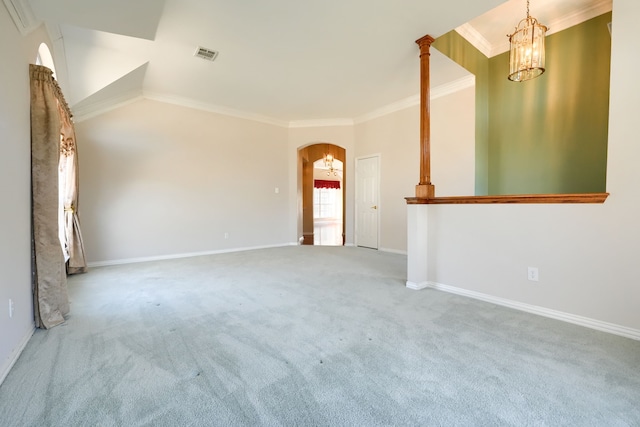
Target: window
[[327, 203]]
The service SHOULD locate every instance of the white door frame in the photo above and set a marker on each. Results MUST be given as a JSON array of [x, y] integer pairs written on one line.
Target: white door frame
[[355, 231]]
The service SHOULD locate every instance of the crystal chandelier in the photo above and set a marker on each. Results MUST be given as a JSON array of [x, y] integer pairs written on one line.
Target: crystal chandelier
[[526, 53], [328, 162]]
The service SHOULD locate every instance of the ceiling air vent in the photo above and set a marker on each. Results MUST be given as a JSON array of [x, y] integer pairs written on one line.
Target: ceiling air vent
[[204, 53]]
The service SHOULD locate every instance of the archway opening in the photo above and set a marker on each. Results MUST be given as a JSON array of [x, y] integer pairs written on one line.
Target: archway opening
[[327, 202], [322, 215]]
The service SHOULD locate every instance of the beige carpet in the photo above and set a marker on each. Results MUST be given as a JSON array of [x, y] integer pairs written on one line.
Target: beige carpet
[[309, 336]]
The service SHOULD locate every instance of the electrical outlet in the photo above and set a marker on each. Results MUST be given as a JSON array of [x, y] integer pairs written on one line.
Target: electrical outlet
[[10, 308], [226, 235], [532, 274]]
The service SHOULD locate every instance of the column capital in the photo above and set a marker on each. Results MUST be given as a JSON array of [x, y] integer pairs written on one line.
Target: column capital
[[425, 42]]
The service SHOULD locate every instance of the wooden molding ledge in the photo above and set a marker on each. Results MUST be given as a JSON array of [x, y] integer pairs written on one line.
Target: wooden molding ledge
[[516, 198]]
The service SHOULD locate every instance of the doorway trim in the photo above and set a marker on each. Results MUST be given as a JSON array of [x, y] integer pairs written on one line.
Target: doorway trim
[[307, 154]]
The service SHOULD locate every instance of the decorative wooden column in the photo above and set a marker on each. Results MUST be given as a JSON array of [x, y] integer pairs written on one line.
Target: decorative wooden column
[[425, 189]]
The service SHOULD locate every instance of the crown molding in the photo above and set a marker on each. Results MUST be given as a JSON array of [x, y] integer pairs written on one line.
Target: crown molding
[[22, 15], [453, 87], [388, 109], [320, 123], [501, 47], [473, 36], [185, 102], [101, 107], [436, 92], [54, 31], [579, 16], [95, 109]]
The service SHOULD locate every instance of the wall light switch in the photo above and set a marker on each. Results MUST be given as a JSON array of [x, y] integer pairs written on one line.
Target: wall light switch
[[277, 190]]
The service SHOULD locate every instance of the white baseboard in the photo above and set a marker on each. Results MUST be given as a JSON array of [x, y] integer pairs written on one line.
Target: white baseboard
[[393, 251], [541, 311], [13, 357], [194, 254], [417, 286], [183, 255]]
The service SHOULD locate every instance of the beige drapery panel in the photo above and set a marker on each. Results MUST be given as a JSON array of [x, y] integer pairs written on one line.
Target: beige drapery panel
[[68, 181], [51, 301]]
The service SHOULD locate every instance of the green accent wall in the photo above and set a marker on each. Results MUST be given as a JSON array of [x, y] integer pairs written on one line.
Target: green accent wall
[[549, 134]]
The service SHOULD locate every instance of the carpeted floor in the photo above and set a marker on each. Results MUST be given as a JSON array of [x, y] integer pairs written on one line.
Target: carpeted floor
[[309, 336]]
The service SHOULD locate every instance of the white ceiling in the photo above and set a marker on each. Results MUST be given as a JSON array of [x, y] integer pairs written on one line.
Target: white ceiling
[[279, 60]]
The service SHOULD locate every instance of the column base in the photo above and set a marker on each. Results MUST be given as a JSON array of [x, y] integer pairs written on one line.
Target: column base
[[425, 191]]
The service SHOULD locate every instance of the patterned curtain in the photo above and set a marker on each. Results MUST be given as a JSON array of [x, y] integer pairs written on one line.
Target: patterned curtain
[[48, 109], [73, 246]]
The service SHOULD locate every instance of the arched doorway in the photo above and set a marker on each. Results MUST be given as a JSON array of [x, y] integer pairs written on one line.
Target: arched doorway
[[323, 170]]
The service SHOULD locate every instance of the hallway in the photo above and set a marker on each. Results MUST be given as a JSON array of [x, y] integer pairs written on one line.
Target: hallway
[[327, 232]]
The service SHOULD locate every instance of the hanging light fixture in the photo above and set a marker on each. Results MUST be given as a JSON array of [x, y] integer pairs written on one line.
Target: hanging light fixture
[[526, 53], [328, 162]]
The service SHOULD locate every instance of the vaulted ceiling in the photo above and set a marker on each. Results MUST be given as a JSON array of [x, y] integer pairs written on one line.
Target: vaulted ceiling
[[279, 60]]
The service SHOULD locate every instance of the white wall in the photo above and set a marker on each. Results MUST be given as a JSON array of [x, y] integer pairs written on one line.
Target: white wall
[[160, 180], [453, 140], [396, 137], [587, 255], [15, 192], [342, 136]]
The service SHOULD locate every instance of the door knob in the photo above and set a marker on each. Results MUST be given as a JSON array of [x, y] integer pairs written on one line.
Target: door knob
[[374, 207]]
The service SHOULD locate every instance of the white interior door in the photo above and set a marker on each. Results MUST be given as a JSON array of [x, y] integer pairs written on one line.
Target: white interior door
[[367, 206]]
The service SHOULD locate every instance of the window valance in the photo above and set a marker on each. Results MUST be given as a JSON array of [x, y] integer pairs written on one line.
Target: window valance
[[323, 183]]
